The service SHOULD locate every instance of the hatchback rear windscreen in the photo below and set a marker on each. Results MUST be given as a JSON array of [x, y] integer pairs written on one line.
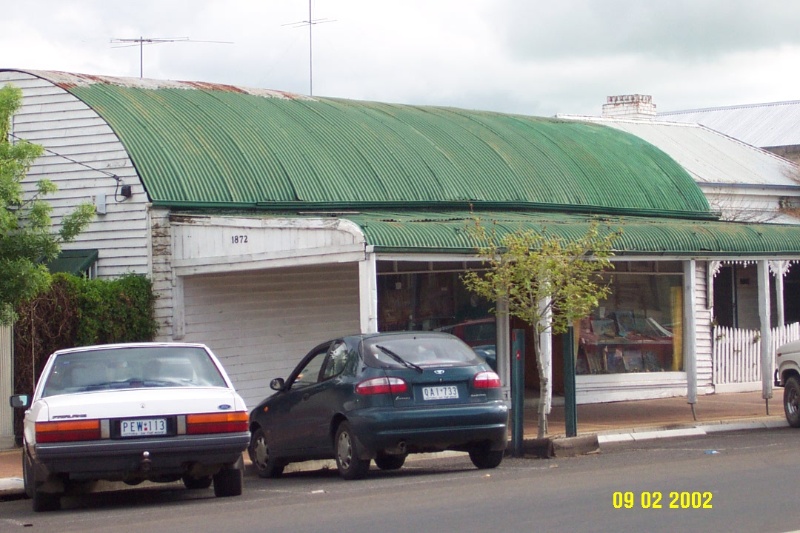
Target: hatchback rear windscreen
[[421, 350]]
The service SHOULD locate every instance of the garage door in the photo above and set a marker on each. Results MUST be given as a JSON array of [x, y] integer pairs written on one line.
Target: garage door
[[260, 323]]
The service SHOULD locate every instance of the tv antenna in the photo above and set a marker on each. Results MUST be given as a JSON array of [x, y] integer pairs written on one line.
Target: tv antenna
[[311, 22], [141, 41]]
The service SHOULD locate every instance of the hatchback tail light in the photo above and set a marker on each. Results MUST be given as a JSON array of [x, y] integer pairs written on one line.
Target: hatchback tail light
[[216, 423], [382, 386], [66, 431], [486, 380]]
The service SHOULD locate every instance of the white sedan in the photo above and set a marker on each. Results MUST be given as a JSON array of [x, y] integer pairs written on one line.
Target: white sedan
[[132, 412]]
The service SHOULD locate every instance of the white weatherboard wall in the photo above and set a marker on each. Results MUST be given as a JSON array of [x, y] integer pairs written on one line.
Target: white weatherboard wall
[[703, 332], [82, 156], [261, 323]]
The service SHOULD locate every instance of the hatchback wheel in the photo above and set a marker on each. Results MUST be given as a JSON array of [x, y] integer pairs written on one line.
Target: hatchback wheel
[[791, 401], [350, 466], [485, 457], [389, 462], [265, 463]]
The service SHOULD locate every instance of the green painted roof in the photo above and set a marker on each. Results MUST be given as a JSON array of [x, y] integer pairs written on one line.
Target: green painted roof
[[448, 232], [202, 145]]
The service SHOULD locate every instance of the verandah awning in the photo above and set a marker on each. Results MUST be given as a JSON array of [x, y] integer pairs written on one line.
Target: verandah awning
[[73, 261], [446, 232]]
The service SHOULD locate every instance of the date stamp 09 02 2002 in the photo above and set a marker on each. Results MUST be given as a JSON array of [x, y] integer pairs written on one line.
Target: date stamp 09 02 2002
[[658, 500]]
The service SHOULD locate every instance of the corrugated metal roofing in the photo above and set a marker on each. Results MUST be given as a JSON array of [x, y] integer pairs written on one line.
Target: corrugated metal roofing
[[762, 125], [709, 156], [447, 232], [200, 145]]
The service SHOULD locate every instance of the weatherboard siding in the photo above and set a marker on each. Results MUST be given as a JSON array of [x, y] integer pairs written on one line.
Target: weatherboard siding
[[703, 317], [82, 153]]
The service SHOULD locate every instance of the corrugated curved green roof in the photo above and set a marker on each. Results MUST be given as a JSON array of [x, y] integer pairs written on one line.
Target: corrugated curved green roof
[[200, 145]]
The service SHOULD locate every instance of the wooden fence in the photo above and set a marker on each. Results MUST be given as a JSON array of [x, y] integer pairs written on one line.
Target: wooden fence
[[737, 354]]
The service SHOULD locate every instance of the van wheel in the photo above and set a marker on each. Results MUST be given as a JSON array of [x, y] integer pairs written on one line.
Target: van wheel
[[791, 401]]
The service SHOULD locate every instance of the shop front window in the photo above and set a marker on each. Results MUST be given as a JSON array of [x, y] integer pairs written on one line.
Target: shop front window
[[436, 301], [638, 328]]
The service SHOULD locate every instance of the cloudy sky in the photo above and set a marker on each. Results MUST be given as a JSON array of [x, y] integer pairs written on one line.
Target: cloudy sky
[[522, 56]]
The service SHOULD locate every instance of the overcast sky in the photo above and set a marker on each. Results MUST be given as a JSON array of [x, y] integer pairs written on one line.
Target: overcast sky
[[532, 57]]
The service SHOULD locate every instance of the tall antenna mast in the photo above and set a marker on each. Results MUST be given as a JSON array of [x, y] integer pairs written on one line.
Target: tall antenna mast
[[310, 23], [141, 41]]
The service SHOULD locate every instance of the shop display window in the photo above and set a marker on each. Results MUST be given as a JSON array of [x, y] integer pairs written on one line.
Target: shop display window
[[637, 329]]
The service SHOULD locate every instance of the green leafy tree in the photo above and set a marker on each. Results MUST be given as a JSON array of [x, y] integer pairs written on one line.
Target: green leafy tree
[[27, 239], [547, 281]]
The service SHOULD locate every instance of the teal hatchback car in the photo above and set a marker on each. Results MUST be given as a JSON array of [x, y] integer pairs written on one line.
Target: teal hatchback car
[[379, 397]]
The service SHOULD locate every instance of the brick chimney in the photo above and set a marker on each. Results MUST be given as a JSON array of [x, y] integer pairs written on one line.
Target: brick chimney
[[635, 106]]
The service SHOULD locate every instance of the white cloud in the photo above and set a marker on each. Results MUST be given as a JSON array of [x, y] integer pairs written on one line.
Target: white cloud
[[523, 56]]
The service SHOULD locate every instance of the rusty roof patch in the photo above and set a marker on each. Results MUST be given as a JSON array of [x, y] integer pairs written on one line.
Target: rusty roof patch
[[69, 81], [207, 86]]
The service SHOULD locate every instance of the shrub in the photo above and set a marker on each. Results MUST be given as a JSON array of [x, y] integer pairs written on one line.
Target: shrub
[[77, 311]]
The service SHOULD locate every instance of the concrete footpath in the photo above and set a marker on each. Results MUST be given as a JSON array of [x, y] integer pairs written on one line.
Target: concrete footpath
[[597, 423]]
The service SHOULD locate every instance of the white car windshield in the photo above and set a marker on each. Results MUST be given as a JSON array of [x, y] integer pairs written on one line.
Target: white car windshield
[[132, 367]]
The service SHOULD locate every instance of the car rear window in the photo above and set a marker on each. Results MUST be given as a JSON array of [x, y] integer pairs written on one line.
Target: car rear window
[[420, 349], [135, 367]]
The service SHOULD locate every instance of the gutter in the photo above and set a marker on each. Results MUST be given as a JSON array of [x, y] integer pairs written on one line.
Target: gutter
[[440, 206]]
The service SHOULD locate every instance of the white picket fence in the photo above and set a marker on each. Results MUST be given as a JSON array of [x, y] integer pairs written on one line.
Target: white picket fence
[[737, 355]]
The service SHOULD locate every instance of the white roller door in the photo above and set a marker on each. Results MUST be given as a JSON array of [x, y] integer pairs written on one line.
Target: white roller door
[[260, 323]]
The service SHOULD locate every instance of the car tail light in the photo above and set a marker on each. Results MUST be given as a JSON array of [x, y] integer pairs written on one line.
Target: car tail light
[[486, 380], [216, 423], [67, 431], [382, 386]]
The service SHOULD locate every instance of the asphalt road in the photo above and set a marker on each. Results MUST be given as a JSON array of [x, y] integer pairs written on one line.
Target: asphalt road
[[727, 482]]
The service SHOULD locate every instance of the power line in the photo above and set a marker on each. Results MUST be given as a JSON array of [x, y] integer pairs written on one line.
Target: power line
[[116, 178], [141, 41], [62, 156]]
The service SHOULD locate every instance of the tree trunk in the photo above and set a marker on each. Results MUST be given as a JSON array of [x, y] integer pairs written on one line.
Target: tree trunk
[[544, 385], [544, 362]]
